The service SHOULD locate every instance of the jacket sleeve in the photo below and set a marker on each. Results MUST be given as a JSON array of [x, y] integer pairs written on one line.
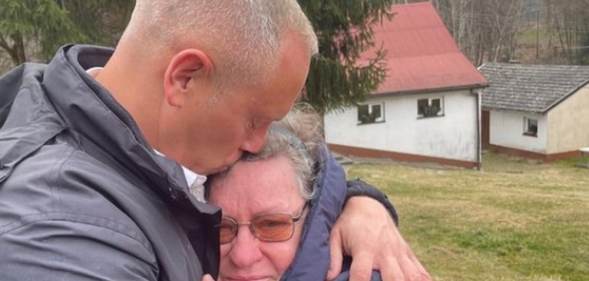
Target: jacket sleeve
[[360, 188], [55, 249]]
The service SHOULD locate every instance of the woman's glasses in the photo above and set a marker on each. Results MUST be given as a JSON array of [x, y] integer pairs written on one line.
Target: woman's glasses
[[267, 228]]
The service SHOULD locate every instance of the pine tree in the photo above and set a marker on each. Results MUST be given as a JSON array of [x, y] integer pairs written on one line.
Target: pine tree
[[344, 27], [36, 28]]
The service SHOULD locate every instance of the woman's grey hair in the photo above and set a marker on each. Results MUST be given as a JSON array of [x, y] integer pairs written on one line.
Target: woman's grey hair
[[243, 36], [297, 137]]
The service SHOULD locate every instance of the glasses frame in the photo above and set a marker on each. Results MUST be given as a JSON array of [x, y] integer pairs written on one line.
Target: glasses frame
[[236, 225]]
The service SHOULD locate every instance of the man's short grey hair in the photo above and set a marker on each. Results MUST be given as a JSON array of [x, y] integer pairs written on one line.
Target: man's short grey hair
[[242, 36], [297, 137]]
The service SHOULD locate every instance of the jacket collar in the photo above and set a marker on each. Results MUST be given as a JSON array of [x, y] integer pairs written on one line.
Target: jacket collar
[[311, 261]]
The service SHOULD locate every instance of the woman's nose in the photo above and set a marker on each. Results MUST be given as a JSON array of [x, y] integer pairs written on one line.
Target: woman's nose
[[245, 249]]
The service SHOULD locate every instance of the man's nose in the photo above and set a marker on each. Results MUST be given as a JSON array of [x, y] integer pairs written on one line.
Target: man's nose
[[255, 140]]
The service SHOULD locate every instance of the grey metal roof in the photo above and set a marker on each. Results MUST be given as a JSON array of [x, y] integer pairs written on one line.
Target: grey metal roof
[[533, 88]]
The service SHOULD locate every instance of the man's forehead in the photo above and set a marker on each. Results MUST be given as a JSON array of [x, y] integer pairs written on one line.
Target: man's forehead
[[277, 105], [285, 85]]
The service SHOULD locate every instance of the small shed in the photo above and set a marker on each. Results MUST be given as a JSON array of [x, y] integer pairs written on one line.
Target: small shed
[[536, 111]]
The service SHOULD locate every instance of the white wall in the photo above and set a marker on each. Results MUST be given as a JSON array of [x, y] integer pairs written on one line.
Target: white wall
[[507, 128], [453, 136]]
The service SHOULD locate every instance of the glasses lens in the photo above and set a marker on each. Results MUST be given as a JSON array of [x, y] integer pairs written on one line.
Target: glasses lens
[[273, 228], [227, 230]]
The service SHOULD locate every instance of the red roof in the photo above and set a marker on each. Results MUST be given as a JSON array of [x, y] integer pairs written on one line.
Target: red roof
[[421, 53]]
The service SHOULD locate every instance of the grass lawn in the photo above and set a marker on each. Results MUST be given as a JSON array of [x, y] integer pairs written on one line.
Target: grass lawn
[[513, 220]]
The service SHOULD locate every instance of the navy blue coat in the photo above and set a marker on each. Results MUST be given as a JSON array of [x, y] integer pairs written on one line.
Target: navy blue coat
[[312, 259]]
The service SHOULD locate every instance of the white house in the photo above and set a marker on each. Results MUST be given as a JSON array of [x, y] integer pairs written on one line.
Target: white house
[[536, 111], [428, 109]]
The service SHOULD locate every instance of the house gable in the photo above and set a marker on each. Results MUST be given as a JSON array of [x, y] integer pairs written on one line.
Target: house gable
[[568, 123]]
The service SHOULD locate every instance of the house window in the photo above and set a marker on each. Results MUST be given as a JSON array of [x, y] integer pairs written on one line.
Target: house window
[[530, 127], [430, 107], [370, 113]]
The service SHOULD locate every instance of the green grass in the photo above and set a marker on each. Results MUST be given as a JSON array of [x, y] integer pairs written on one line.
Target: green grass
[[514, 220]]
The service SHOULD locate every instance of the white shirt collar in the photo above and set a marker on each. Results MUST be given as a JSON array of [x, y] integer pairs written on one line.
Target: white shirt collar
[[194, 181], [93, 71], [192, 178]]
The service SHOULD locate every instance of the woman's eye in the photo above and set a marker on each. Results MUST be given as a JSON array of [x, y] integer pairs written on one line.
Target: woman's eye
[[272, 223]]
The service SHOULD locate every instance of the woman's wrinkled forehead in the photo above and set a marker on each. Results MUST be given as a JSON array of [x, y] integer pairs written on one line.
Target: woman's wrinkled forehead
[[260, 183]]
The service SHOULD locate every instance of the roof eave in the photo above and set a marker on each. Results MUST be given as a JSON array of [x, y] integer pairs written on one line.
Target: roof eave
[[431, 90], [486, 107], [563, 98]]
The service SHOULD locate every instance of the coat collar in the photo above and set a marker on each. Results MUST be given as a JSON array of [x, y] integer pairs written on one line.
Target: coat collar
[[311, 261]]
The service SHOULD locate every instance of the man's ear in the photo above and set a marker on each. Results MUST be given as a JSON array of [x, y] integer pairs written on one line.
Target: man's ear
[[184, 68]]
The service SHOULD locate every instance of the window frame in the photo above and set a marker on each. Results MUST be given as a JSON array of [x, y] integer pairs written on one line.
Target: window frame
[[371, 106], [526, 128], [441, 113]]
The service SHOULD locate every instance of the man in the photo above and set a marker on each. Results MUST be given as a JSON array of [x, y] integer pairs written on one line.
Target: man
[[90, 145]]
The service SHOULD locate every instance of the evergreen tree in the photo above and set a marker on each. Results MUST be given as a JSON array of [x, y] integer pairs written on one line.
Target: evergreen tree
[[36, 28], [33, 24], [344, 27]]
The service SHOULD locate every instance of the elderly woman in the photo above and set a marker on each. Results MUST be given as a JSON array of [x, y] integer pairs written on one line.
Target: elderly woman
[[277, 213]]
